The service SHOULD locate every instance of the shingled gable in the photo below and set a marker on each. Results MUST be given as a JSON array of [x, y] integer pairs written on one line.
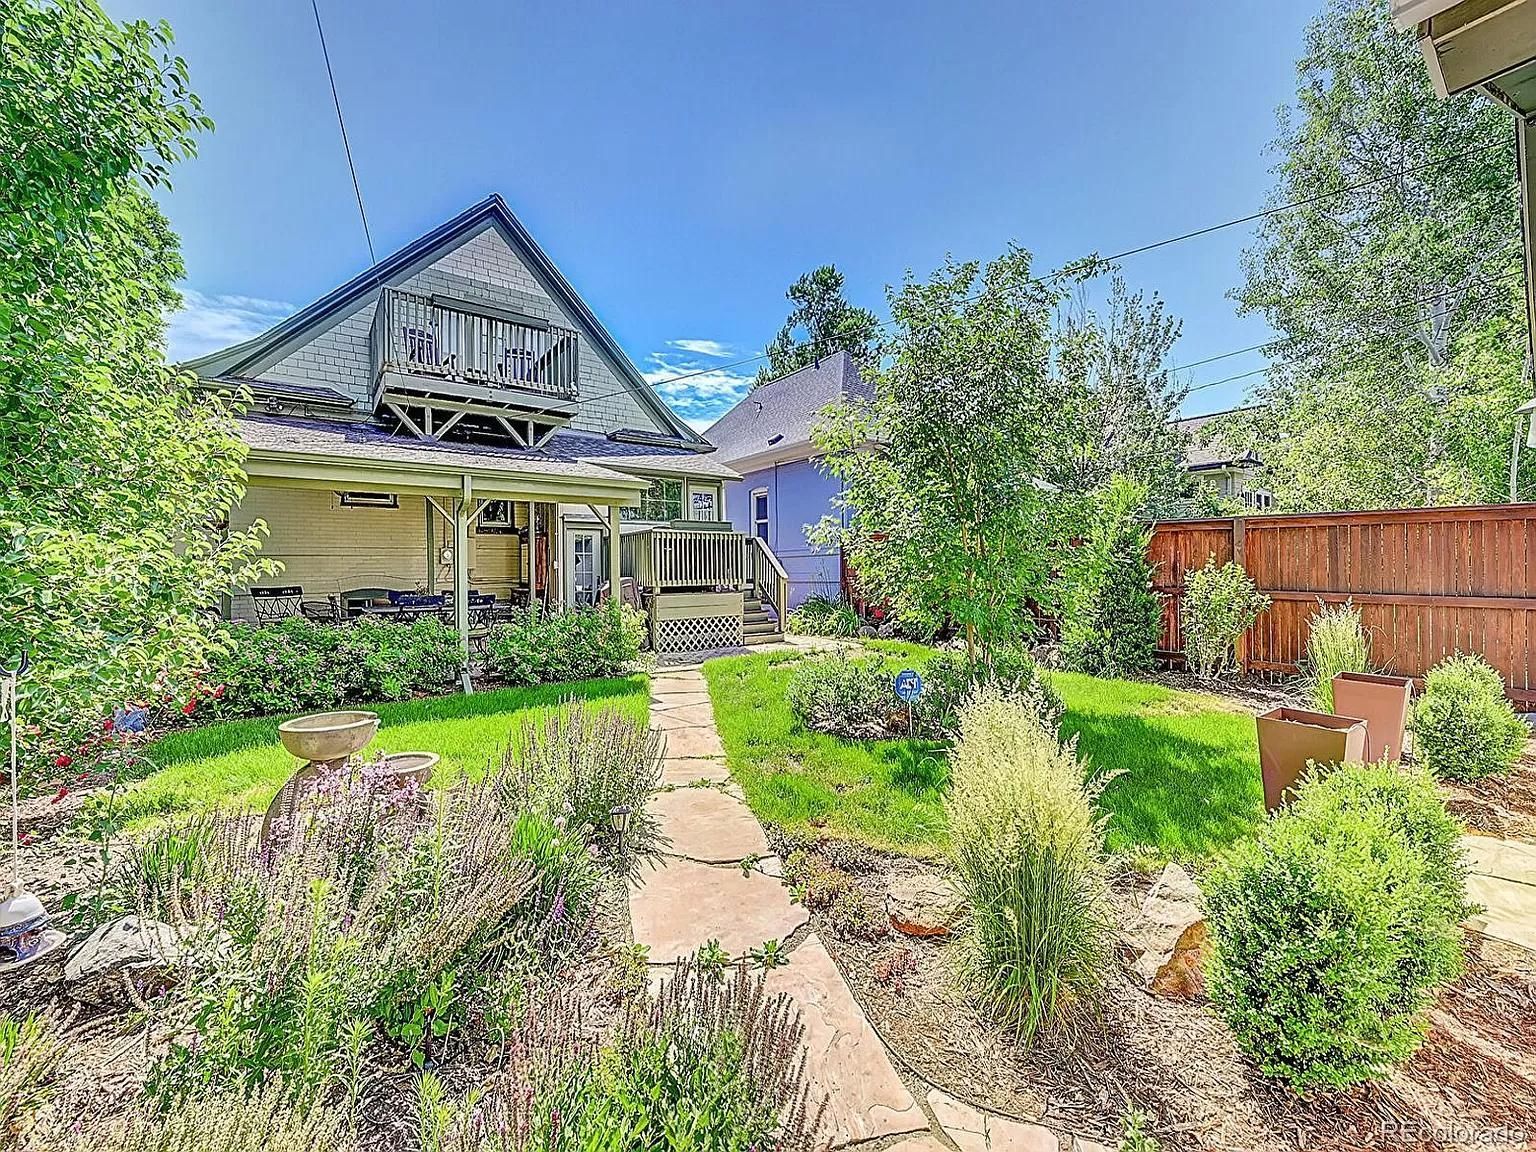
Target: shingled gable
[[262, 359]]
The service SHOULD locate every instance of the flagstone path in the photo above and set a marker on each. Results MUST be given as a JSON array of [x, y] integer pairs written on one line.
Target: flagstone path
[[720, 881], [1503, 881]]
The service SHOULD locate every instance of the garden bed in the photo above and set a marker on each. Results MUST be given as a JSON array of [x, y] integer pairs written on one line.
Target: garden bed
[[1175, 1059]]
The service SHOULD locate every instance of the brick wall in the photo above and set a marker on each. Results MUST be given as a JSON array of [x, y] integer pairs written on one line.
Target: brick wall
[[483, 266]]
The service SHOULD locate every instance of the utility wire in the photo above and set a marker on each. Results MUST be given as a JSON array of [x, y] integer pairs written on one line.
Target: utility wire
[[346, 144], [1191, 235]]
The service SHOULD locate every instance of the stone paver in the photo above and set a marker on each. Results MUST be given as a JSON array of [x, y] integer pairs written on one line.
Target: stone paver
[[685, 770], [694, 742], [683, 904], [671, 701], [924, 1143], [975, 1131], [845, 1057], [708, 825], [1503, 880]]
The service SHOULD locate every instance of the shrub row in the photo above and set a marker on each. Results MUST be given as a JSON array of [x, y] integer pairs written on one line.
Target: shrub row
[[296, 665]]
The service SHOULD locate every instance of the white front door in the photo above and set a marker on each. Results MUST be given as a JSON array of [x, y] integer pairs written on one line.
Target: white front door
[[583, 565]]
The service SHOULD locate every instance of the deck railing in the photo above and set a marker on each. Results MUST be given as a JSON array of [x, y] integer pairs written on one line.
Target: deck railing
[[665, 558], [425, 335], [768, 577]]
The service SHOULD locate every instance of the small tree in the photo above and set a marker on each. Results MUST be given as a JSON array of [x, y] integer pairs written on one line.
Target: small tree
[[821, 323], [1221, 602], [115, 470], [1112, 619], [949, 516]]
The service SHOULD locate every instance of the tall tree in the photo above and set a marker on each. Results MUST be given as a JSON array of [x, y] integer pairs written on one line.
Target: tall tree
[[114, 469], [1400, 268], [1119, 399], [952, 518], [821, 322]]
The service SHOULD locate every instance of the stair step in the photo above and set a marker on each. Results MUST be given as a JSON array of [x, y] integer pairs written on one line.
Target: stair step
[[761, 628], [757, 618], [763, 637]]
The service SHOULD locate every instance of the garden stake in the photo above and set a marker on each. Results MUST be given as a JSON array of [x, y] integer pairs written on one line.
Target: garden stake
[[24, 932]]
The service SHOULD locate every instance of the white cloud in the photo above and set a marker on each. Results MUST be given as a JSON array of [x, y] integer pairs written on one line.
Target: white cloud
[[207, 323], [697, 391], [703, 348]]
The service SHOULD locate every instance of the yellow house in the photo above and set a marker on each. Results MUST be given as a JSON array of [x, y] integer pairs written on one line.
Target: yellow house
[[456, 422]]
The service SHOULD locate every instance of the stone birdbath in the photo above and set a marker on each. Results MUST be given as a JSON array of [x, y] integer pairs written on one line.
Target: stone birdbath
[[324, 741]]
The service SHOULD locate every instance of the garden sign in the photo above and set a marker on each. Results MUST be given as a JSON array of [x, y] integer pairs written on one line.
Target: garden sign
[[909, 686]]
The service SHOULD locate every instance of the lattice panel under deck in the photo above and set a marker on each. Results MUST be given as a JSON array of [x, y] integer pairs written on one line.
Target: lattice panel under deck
[[698, 634]]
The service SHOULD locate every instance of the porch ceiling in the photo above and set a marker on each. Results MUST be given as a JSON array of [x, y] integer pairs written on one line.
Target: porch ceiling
[[359, 457]]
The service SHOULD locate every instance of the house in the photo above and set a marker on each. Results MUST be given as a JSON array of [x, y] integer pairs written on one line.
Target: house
[[1231, 473], [782, 491], [455, 421]]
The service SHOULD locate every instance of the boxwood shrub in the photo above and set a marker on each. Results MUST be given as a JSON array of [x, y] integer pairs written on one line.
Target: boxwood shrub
[[1463, 726], [1336, 926]]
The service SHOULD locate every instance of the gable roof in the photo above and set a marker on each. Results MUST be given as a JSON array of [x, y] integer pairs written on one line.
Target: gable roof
[[776, 419], [249, 358], [1210, 451]]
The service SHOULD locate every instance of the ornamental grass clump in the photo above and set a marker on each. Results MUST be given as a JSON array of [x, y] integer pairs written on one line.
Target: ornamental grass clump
[[1337, 925], [31, 1050], [824, 616], [1026, 850], [1336, 642], [263, 1121], [1221, 602], [1464, 727]]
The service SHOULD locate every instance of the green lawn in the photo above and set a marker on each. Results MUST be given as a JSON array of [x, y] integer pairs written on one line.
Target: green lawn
[[1188, 762], [240, 763]]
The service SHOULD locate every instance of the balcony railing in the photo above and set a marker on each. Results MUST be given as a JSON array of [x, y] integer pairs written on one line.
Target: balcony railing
[[670, 558], [418, 335]]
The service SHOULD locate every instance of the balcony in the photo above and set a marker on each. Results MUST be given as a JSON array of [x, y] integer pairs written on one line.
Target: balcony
[[438, 361]]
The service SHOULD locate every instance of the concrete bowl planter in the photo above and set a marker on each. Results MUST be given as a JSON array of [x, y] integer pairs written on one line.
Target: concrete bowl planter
[[399, 767], [1382, 702], [1292, 739], [328, 736]]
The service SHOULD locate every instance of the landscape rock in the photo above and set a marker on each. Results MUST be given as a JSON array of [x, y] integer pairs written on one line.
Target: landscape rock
[[1167, 938], [923, 905], [147, 952]]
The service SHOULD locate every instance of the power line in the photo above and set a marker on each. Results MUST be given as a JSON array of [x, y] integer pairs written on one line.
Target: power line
[[346, 144], [1209, 229]]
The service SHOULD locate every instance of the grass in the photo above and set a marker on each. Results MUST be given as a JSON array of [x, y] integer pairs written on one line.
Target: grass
[[1187, 763], [241, 764]]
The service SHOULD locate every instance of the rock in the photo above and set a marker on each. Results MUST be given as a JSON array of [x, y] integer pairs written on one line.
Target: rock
[[682, 904], [923, 905], [147, 952], [706, 825], [1167, 938]]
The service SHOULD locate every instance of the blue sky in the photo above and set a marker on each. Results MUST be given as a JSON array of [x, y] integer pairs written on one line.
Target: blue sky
[[684, 162]]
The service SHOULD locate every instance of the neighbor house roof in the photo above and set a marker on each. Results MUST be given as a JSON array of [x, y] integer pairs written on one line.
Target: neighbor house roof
[[248, 359], [362, 456], [775, 420], [1207, 449]]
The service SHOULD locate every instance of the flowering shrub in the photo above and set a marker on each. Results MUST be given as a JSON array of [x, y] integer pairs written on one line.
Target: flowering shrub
[[539, 647], [842, 695], [950, 679]]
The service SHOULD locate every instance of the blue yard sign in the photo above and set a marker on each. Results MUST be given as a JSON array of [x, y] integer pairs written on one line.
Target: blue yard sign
[[909, 685]]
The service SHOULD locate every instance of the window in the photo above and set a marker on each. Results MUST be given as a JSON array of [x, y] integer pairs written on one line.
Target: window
[[369, 500], [496, 519], [760, 514], [662, 501], [701, 504]]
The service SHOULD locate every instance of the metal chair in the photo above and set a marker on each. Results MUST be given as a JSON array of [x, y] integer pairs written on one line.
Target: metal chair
[[327, 611], [274, 604]]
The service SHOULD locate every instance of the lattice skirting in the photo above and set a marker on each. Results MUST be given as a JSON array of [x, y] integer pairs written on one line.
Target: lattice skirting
[[698, 633]]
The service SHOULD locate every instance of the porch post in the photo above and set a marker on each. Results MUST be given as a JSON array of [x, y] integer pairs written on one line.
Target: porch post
[[463, 513], [615, 553], [431, 548], [554, 592], [531, 549]]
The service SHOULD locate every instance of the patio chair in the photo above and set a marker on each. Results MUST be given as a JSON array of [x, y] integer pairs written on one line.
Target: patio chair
[[274, 604], [629, 593], [327, 611]]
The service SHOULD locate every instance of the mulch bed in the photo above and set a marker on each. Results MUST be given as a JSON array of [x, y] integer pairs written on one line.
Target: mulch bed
[[1176, 1060]]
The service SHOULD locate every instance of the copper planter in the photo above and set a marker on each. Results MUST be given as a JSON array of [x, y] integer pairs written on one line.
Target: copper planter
[[1290, 739], [1382, 702]]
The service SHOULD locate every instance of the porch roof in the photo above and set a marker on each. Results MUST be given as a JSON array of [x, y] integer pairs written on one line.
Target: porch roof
[[361, 457]]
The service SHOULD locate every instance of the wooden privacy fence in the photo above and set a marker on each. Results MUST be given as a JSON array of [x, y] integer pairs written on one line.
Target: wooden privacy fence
[[1429, 582]]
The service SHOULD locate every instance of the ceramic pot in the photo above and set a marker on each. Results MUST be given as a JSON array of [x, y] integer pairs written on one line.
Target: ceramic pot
[[1382, 702], [1292, 739]]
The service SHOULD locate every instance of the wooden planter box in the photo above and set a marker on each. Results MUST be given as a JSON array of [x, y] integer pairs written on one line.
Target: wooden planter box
[[1382, 702], [1292, 739]]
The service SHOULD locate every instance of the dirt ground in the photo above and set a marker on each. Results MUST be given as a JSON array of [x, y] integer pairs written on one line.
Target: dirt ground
[[1472, 1085]]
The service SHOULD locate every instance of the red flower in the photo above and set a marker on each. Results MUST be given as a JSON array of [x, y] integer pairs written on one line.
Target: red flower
[[61, 793], [63, 760], [217, 692], [106, 725], [27, 837], [190, 706]]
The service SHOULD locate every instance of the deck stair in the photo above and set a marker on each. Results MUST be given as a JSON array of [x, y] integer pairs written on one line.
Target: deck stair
[[759, 625]]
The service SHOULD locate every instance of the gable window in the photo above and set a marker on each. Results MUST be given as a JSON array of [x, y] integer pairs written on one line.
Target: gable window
[[496, 519], [662, 501], [369, 500], [760, 513]]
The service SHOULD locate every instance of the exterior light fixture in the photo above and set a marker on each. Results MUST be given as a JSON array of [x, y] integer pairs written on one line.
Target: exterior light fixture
[[618, 820], [445, 556]]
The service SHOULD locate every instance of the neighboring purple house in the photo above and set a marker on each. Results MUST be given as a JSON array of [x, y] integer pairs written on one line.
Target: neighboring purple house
[[782, 491]]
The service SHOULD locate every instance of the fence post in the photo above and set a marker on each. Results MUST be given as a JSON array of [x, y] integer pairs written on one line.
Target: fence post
[[1240, 558]]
